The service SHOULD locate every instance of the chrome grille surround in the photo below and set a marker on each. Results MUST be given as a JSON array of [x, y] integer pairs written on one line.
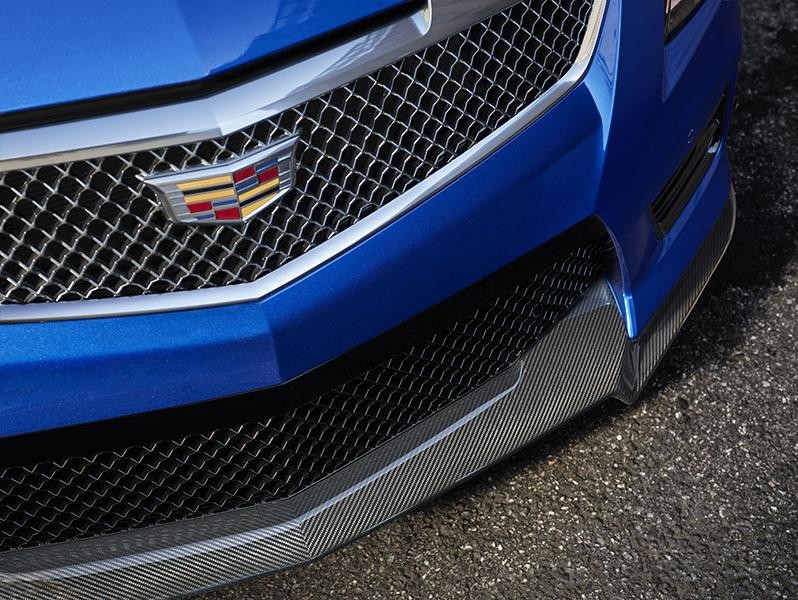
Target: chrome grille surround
[[88, 229]]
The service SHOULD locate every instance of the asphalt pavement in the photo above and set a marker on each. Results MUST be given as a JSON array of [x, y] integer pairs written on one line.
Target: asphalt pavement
[[693, 492]]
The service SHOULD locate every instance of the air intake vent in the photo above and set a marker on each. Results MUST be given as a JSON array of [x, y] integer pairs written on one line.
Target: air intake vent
[[681, 187], [185, 474]]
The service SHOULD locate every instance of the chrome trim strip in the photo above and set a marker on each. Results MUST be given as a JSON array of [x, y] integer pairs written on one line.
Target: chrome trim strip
[[325, 71]]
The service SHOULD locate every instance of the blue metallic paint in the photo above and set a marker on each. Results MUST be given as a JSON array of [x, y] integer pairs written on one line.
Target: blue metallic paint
[[55, 52], [606, 148], [660, 98]]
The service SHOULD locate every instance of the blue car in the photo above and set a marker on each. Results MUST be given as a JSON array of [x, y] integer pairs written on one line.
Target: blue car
[[273, 272]]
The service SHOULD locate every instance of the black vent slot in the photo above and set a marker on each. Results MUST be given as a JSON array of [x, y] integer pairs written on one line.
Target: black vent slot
[[681, 187]]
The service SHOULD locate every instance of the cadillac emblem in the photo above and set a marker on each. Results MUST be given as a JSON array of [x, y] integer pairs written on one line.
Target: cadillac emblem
[[231, 192]]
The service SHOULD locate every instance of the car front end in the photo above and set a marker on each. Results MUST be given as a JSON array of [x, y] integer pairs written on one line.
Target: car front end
[[269, 280]]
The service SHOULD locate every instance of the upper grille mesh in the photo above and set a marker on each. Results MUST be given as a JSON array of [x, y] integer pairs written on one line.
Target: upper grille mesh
[[241, 465], [91, 229]]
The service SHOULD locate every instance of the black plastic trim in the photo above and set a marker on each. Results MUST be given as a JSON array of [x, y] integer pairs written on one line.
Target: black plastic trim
[[681, 187]]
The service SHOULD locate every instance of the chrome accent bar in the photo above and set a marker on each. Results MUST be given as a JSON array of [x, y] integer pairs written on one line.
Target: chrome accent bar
[[233, 109]]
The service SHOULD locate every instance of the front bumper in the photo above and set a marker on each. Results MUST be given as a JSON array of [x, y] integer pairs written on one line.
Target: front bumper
[[542, 390]]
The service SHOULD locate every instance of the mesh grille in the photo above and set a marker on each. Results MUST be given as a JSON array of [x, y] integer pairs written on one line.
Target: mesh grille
[[255, 462], [91, 229]]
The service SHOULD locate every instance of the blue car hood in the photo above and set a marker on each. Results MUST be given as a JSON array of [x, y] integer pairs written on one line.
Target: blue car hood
[[55, 52]]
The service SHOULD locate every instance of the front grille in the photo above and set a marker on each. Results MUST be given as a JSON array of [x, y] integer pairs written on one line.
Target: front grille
[[248, 463], [91, 229]]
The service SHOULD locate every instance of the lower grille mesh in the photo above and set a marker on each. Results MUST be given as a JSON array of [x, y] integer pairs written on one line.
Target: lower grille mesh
[[255, 462], [92, 229]]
